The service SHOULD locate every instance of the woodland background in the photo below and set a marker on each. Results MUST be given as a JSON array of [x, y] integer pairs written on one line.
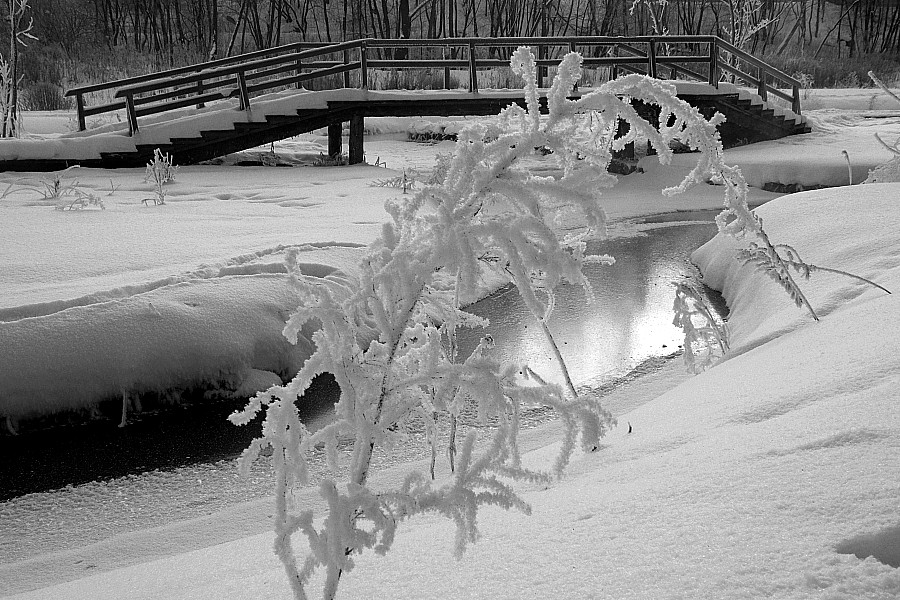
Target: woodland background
[[78, 42]]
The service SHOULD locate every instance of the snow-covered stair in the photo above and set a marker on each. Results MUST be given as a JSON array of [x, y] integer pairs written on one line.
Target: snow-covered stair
[[748, 117]]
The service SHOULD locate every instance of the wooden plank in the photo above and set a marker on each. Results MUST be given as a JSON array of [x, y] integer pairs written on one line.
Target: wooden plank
[[186, 92], [152, 110], [104, 108]]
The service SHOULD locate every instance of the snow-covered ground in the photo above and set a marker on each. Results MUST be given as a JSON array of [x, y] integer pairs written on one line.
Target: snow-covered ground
[[772, 475], [144, 299]]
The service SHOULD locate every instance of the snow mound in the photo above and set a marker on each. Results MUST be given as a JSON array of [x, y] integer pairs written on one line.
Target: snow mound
[[214, 333], [831, 228]]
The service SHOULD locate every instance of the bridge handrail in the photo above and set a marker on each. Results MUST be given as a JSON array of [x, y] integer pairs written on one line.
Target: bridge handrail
[[722, 59], [230, 70], [79, 92], [598, 40], [292, 47]]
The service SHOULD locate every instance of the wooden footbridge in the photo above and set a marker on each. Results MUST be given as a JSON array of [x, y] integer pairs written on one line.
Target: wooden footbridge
[[203, 111]]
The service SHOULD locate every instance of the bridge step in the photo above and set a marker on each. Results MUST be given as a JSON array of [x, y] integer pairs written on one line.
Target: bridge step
[[748, 119]]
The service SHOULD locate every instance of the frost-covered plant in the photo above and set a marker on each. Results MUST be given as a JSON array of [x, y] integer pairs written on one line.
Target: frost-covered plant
[[405, 181], [54, 189], [338, 160], [889, 171], [846, 156], [768, 260], [389, 337], [777, 260], [442, 161], [765, 257], [705, 338], [159, 171], [80, 201], [739, 221], [269, 159]]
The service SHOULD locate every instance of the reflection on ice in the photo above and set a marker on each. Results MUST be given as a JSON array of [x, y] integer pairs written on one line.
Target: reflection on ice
[[630, 320]]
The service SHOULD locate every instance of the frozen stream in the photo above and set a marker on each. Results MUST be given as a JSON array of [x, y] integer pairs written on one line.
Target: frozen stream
[[91, 482]]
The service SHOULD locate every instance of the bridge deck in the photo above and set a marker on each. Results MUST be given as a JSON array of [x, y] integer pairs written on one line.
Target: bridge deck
[[192, 135]]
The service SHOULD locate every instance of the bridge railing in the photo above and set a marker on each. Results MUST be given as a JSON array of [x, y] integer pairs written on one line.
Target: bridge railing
[[349, 65]]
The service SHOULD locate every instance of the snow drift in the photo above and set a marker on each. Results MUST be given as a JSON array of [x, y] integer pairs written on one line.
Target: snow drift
[[200, 333]]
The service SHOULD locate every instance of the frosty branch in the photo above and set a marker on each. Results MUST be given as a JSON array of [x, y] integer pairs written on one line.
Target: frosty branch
[[705, 339], [388, 337]]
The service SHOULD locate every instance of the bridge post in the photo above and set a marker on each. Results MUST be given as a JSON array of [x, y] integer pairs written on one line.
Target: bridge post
[[79, 104], [334, 139], [242, 89], [297, 73], [651, 58], [473, 75], [574, 85], [357, 125], [200, 90], [446, 69], [714, 63], [614, 69], [346, 73], [132, 114], [363, 67], [761, 84], [542, 54]]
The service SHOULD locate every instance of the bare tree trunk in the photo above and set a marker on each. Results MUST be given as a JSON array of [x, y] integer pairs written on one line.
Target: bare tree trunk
[[18, 33], [11, 118], [213, 30]]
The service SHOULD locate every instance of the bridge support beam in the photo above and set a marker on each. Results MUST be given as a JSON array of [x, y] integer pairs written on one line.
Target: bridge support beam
[[334, 139], [357, 125]]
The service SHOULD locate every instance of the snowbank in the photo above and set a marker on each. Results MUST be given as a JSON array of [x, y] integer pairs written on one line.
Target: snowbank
[[848, 228], [77, 287], [209, 333], [815, 159], [157, 300], [771, 475]]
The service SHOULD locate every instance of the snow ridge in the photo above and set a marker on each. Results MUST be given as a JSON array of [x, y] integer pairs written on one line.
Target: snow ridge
[[236, 266]]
